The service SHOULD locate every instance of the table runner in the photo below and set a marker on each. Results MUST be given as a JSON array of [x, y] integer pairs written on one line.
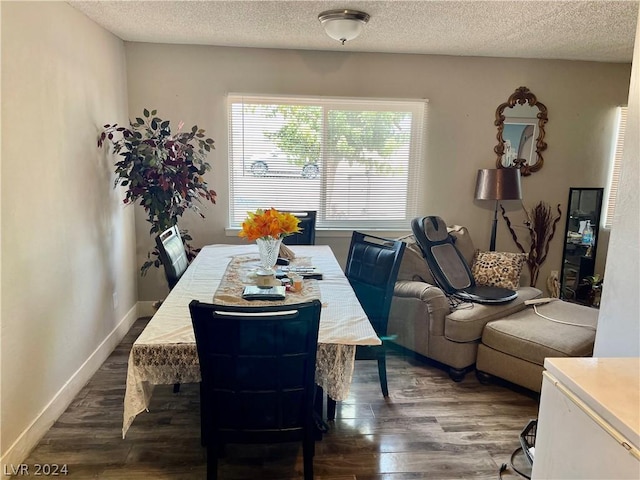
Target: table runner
[[241, 271]]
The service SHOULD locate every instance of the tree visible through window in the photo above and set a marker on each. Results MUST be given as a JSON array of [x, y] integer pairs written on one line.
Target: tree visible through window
[[354, 161]]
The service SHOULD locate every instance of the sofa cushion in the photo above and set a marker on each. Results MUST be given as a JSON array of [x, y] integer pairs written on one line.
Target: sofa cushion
[[532, 338], [498, 269], [413, 266], [466, 322]]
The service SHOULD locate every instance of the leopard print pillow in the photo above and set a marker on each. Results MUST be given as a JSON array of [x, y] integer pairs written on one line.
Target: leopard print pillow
[[498, 269]]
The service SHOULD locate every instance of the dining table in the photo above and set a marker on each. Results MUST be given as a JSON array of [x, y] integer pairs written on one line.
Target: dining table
[[165, 353]]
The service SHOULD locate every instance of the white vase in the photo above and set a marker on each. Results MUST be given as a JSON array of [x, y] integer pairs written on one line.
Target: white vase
[[269, 248]]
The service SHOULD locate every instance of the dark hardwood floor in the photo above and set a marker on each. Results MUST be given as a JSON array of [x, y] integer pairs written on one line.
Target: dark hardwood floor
[[430, 427]]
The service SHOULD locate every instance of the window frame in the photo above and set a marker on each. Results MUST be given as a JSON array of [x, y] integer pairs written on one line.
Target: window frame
[[416, 155]]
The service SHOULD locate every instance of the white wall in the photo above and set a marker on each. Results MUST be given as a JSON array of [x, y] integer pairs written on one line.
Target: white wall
[[189, 83], [67, 243], [618, 332]]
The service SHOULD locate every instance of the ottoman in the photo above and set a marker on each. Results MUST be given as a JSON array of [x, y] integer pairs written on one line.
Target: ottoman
[[514, 348]]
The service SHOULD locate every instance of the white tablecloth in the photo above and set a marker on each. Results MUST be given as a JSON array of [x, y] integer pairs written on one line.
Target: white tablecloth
[[165, 352]]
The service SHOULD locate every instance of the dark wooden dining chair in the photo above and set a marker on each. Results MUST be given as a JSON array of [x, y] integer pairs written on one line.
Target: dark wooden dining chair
[[172, 255], [308, 226], [258, 375], [174, 260], [372, 269]]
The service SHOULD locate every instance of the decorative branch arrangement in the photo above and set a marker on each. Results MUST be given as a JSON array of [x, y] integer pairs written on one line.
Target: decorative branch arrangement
[[542, 227]]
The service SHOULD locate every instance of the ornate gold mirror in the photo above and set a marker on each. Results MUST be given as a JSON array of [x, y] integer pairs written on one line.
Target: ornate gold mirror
[[520, 121]]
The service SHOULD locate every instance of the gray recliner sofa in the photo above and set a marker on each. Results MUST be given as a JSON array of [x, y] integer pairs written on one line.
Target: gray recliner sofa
[[424, 321]]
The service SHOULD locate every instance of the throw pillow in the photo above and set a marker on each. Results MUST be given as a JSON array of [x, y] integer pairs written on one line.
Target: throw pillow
[[498, 269]]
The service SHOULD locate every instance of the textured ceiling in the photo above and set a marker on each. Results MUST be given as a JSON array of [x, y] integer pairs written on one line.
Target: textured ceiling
[[572, 30]]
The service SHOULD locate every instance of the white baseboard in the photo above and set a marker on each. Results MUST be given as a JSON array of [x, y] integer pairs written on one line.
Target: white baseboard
[[27, 441]]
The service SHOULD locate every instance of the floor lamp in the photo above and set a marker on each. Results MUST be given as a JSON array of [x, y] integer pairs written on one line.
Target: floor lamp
[[498, 184]]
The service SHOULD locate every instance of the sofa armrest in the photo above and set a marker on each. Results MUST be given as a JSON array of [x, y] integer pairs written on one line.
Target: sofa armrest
[[416, 301], [420, 290]]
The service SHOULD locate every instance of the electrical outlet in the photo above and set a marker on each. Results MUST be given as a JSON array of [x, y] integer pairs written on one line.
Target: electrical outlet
[[115, 300]]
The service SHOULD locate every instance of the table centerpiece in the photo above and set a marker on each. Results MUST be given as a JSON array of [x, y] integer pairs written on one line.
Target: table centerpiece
[[267, 228]]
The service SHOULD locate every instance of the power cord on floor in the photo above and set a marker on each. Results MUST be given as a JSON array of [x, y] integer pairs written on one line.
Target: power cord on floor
[[503, 467]]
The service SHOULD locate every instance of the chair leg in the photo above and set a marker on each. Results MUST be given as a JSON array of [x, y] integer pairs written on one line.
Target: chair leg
[[204, 418], [320, 426], [318, 400], [212, 461], [382, 373], [308, 451], [203, 432], [331, 408]]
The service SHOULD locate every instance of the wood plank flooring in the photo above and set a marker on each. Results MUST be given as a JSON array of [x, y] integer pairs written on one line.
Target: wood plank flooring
[[430, 427]]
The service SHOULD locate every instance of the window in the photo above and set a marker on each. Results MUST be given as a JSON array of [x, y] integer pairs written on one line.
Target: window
[[355, 161], [615, 168]]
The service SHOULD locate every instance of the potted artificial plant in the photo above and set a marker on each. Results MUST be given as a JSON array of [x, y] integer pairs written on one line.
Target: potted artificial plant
[[162, 171]]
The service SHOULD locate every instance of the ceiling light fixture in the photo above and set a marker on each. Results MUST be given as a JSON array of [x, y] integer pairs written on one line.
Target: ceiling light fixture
[[343, 25]]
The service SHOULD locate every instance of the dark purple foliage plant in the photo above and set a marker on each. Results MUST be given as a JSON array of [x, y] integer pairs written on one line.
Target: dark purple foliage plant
[[162, 171]]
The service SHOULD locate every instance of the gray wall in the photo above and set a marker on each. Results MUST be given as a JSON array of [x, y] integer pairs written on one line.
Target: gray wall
[[189, 83], [67, 242]]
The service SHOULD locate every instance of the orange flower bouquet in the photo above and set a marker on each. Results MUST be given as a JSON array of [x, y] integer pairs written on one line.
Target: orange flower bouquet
[[269, 223], [267, 228]]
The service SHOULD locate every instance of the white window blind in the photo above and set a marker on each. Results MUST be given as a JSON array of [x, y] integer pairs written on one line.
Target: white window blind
[[355, 161], [615, 168]]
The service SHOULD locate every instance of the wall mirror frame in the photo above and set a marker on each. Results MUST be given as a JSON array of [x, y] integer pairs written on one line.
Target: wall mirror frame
[[520, 99]]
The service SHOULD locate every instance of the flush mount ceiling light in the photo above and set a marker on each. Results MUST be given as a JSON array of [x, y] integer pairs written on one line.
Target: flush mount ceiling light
[[343, 25]]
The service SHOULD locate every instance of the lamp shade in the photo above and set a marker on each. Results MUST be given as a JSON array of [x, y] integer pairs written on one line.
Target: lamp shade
[[343, 25], [498, 184]]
